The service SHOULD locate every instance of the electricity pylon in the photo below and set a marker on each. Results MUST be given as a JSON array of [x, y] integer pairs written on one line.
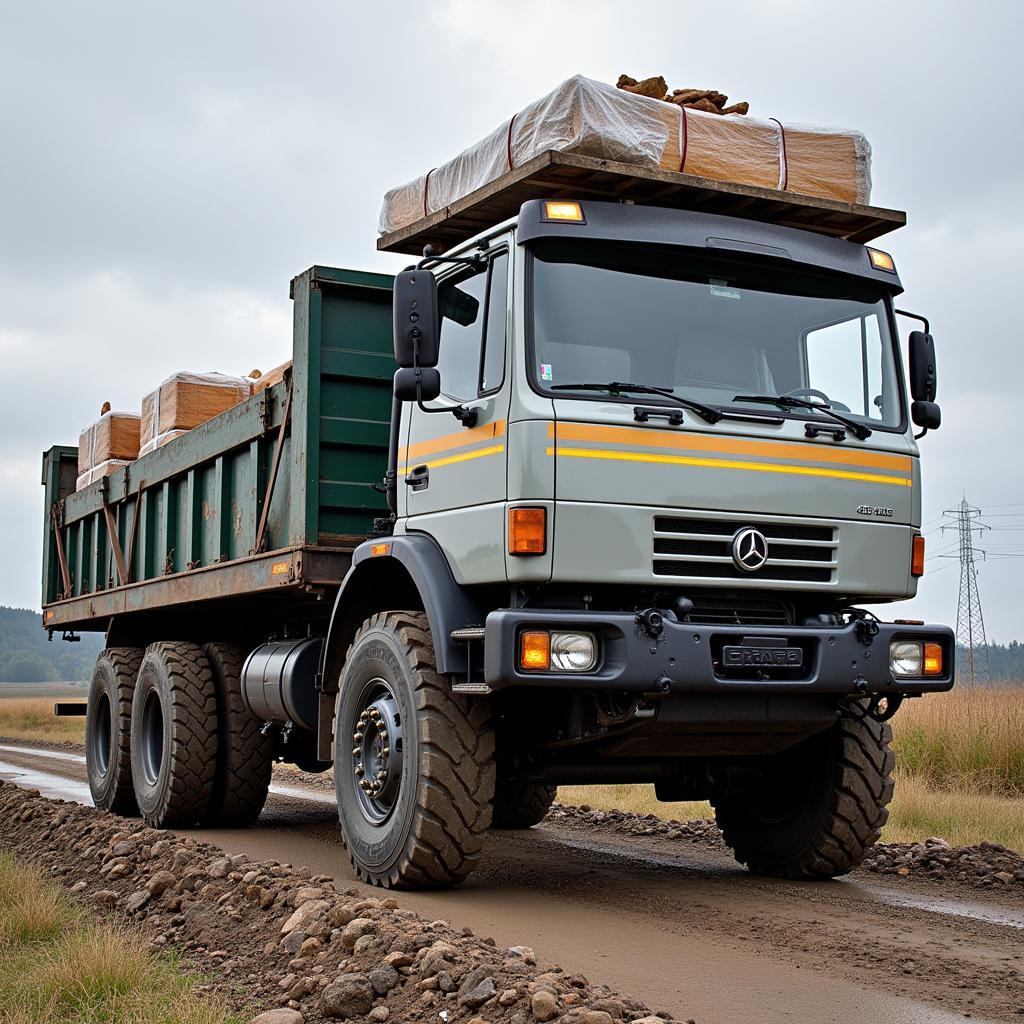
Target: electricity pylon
[[970, 624]]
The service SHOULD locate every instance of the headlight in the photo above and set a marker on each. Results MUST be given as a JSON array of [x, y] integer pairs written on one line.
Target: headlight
[[544, 651], [906, 658], [573, 652]]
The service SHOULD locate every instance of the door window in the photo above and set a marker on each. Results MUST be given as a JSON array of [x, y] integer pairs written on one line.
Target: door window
[[492, 367], [469, 308]]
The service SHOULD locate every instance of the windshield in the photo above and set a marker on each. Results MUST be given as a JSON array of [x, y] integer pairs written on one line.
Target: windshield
[[711, 331]]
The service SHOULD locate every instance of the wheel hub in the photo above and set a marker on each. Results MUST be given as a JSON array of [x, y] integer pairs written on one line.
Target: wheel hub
[[377, 755]]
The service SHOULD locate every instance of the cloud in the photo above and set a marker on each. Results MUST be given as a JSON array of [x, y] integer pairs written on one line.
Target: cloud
[[168, 169]]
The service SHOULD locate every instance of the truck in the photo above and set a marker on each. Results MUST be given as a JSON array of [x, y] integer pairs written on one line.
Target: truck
[[594, 491]]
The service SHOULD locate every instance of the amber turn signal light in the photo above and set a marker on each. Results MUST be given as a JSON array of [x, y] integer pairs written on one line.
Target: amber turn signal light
[[535, 651], [527, 531], [933, 659], [917, 557]]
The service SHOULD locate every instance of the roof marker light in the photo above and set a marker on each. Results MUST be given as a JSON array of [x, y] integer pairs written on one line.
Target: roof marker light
[[561, 210], [881, 261]]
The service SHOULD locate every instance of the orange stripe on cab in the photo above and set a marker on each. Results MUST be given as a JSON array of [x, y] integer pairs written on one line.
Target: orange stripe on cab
[[784, 450], [449, 442]]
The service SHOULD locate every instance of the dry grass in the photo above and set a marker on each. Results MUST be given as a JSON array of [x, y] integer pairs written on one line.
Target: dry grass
[[964, 740], [32, 718], [56, 965]]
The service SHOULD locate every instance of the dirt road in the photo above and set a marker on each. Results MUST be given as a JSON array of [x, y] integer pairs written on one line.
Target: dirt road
[[677, 923]]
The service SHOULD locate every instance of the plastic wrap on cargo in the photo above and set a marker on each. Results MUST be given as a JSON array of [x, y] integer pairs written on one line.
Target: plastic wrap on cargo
[[159, 441], [185, 400], [114, 436], [596, 119], [105, 468]]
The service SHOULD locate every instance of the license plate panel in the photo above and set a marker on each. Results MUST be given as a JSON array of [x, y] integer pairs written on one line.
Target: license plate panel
[[758, 656]]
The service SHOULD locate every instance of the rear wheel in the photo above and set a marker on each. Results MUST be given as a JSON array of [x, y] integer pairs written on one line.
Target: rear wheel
[[174, 735], [521, 804], [821, 807], [245, 756], [108, 730], [414, 763]]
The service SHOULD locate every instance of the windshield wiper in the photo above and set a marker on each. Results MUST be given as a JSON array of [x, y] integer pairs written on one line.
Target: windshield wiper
[[615, 387], [789, 402]]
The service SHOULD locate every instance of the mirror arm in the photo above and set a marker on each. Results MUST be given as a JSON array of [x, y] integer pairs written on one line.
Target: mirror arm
[[467, 417], [915, 316], [478, 261], [917, 437]]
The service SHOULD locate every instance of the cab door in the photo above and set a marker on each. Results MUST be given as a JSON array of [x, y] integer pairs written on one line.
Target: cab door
[[455, 474]]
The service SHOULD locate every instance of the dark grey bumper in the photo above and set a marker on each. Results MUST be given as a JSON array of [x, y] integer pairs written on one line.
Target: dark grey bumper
[[688, 658]]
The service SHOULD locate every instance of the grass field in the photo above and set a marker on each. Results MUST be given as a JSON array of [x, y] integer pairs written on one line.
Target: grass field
[[960, 758], [32, 718], [57, 965]]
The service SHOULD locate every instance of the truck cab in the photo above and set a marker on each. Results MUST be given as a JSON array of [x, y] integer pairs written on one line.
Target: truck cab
[[664, 457]]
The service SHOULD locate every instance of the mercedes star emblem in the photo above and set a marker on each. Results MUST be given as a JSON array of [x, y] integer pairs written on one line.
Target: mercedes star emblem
[[749, 549]]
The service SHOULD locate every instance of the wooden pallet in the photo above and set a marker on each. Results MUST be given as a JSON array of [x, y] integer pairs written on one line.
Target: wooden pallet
[[555, 175]]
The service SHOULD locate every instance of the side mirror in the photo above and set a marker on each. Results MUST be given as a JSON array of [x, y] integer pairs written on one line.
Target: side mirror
[[923, 377], [417, 327], [407, 379], [926, 414]]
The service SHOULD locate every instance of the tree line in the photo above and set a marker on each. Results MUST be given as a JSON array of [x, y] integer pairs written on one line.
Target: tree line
[[26, 656]]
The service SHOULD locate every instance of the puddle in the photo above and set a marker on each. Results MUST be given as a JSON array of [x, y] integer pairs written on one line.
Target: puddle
[[52, 786], [295, 792]]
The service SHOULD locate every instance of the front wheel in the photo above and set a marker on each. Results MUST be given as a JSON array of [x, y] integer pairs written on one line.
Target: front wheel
[[413, 763], [821, 806]]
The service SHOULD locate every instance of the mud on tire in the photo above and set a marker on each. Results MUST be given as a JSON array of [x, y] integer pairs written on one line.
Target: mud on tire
[[245, 756], [174, 735], [820, 813], [421, 818], [108, 730], [521, 804]]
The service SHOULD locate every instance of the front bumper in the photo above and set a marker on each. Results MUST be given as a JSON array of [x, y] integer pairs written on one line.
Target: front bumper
[[686, 658]]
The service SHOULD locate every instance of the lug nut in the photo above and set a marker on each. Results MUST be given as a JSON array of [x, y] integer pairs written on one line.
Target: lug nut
[[358, 770]]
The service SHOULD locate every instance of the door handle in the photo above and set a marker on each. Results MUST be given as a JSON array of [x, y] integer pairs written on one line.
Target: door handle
[[418, 478]]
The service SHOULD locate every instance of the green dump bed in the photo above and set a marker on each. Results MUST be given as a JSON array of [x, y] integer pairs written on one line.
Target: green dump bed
[[205, 524]]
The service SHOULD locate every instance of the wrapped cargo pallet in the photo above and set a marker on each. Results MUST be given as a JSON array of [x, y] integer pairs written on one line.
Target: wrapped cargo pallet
[[185, 400], [112, 441], [598, 120]]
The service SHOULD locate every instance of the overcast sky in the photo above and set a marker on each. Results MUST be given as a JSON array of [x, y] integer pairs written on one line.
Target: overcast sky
[[166, 169]]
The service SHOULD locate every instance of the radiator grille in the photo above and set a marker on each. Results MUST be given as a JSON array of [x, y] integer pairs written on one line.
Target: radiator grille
[[702, 548], [739, 611]]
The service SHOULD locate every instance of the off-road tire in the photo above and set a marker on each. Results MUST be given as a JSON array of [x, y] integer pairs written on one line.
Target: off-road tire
[[842, 784], [108, 724], [174, 735], [435, 830], [245, 756], [521, 804]]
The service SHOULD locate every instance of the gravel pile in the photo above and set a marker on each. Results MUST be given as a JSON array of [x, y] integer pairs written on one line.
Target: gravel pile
[[273, 936], [624, 823], [987, 864]]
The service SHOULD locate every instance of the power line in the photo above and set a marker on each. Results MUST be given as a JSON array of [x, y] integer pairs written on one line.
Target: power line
[[970, 624]]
